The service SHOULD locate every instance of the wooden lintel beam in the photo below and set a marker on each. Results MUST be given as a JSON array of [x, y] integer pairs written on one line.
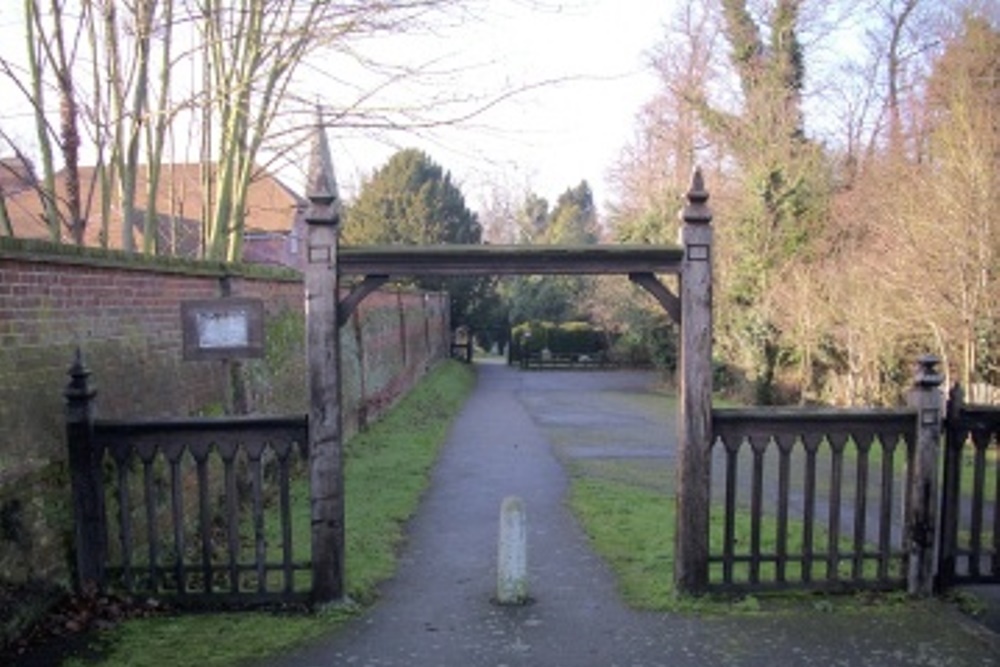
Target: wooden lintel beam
[[660, 292], [493, 260], [350, 303]]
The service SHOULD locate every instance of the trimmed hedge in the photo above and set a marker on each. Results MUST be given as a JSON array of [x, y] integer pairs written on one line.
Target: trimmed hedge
[[563, 339]]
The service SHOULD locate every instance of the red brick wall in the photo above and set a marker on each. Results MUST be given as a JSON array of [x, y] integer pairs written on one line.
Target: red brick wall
[[124, 314]]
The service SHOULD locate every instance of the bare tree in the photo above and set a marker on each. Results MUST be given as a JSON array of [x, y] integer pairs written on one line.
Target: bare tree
[[924, 198], [954, 222], [654, 169], [66, 38], [115, 68], [36, 92]]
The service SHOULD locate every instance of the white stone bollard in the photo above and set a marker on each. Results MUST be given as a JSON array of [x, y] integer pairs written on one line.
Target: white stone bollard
[[512, 553]]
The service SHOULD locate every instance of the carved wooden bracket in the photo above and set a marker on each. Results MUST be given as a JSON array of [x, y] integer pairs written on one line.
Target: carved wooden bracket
[[350, 303], [660, 292]]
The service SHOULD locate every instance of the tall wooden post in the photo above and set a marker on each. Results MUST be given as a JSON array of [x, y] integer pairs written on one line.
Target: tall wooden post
[[695, 422], [951, 485], [326, 451], [90, 533], [921, 514]]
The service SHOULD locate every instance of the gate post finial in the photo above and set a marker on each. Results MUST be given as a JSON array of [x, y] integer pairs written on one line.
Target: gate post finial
[[321, 181], [927, 374], [697, 212], [79, 393]]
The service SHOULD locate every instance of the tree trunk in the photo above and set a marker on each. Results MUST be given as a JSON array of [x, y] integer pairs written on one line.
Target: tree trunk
[[47, 192]]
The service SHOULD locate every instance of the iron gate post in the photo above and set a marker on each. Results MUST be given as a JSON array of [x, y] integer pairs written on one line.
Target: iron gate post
[[90, 532], [921, 513]]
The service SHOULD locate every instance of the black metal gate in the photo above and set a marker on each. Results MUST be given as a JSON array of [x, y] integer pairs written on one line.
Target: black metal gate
[[196, 510], [970, 494]]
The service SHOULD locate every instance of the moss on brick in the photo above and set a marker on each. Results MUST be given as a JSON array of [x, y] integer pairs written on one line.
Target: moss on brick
[[47, 251], [277, 382], [34, 526]]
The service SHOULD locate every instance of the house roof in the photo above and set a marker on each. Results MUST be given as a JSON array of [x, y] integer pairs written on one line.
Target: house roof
[[271, 206], [15, 176]]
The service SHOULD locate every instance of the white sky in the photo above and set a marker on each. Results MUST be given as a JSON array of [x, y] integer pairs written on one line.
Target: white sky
[[547, 139], [550, 138]]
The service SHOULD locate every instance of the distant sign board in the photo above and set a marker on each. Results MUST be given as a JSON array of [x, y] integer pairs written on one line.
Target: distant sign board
[[228, 328]]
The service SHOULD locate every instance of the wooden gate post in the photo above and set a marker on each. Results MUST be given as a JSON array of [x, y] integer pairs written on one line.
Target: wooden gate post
[[695, 420], [326, 455], [90, 532], [951, 485], [921, 512]]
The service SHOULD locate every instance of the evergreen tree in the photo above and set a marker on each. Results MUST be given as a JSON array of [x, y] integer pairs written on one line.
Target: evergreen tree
[[533, 218], [411, 200], [574, 219], [785, 185]]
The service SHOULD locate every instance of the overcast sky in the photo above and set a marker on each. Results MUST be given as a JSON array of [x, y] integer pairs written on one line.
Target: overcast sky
[[549, 138]]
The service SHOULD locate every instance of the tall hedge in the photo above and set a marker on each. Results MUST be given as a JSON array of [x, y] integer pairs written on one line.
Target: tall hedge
[[565, 338]]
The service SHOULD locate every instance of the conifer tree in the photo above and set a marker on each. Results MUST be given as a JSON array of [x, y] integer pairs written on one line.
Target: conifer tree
[[411, 200]]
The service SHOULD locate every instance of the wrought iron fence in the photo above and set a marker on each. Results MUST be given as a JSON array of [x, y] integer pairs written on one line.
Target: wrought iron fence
[[196, 510]]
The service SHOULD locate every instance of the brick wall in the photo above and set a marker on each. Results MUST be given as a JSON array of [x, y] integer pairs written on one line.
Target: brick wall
[[123, 312]]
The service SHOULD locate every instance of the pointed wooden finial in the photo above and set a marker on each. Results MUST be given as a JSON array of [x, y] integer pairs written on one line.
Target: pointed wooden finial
[[697, 212], [321, 182], [927, 374]]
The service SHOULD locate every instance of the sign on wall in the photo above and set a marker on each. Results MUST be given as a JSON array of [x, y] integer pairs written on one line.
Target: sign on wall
[[227, 328]]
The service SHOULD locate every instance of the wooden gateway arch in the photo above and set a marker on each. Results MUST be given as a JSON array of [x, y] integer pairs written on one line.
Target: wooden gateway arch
[[326, 311]]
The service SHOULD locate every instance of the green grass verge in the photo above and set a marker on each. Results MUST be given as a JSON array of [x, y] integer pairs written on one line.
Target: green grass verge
[[386, 472], [632, 528], [627, 510]]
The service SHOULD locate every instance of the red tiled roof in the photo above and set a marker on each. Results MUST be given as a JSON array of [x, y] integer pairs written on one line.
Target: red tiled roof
[[15, 176], [271, 206]]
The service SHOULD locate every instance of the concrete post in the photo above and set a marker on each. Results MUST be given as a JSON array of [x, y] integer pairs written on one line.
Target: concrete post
[[512, 553]]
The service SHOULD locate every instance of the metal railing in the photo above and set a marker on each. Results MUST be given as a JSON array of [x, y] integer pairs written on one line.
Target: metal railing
[[196, 510]]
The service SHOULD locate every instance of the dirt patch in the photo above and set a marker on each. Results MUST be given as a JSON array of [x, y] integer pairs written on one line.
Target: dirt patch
[[22, 605], [43, 624]]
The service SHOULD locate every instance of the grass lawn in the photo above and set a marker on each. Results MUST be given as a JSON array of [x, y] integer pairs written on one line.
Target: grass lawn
[[627, 510], [386, 472], [632, 527], [630, 523]]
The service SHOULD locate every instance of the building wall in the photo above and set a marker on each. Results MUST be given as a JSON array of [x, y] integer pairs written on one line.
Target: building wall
[[123, 313]]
